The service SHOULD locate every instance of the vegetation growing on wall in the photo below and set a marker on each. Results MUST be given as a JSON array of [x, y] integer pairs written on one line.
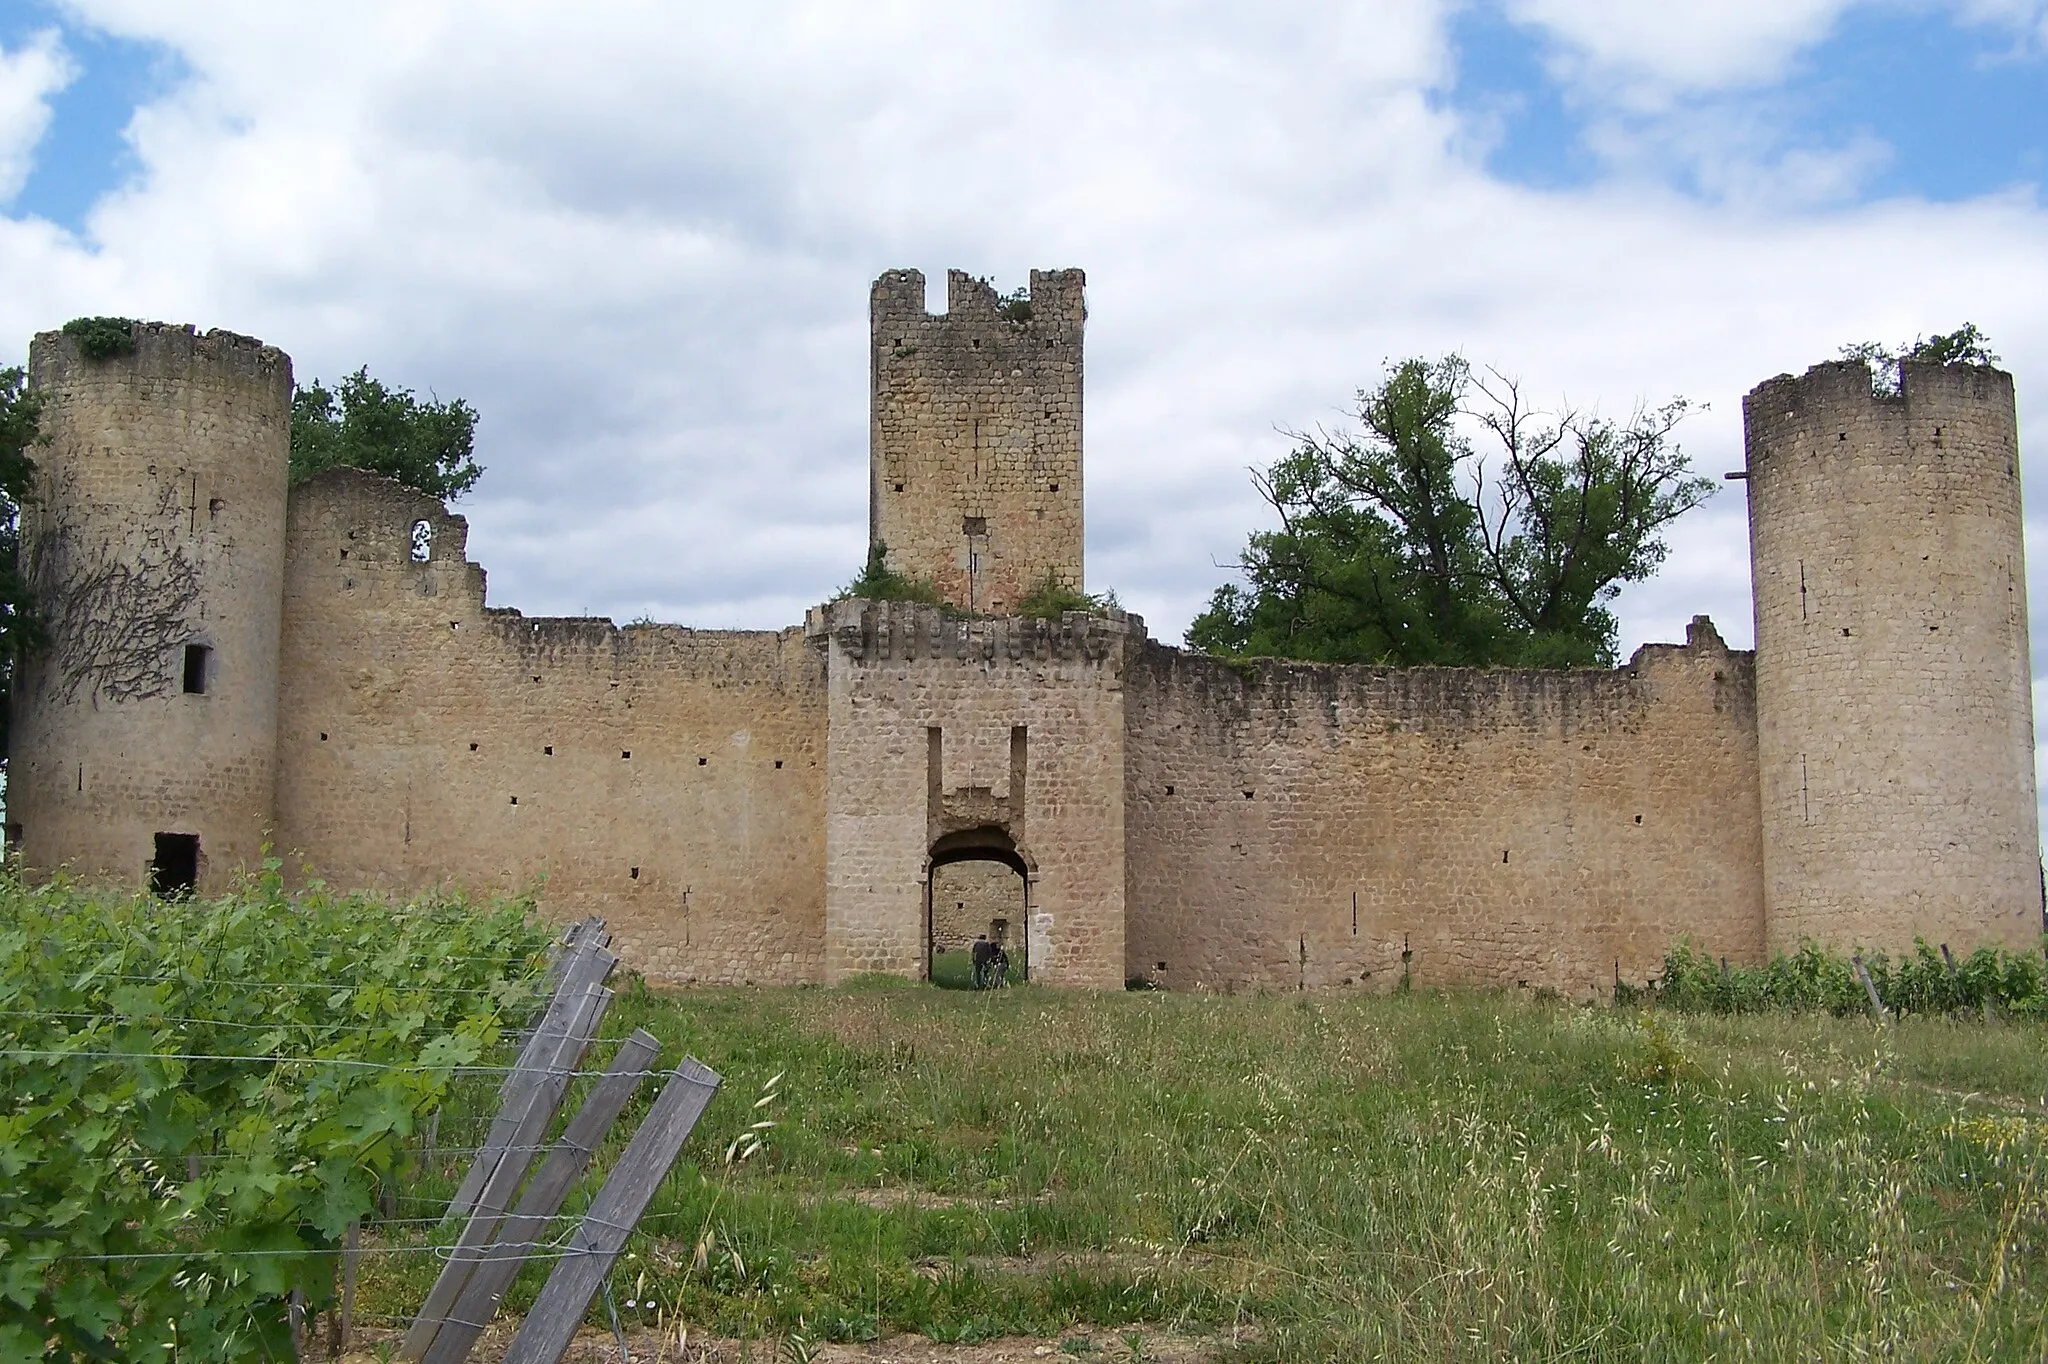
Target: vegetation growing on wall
[[1014, 306], [1966, 345], [102, 338], [1402, 543], [1052, 599], [879, 582], [20, 625], [202, 1095], [363, 424]]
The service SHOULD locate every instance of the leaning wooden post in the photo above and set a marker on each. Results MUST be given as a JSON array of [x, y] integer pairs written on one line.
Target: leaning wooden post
[[521, 1232], [594, 1248], [531, 1117], [1877, 1009], [590, 968]]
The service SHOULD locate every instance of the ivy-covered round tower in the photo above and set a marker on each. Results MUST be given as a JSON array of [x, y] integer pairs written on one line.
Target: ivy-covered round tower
[[144, 733]]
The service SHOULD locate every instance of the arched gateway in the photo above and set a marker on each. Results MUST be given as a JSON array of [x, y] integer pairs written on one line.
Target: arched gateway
[[977, 886]]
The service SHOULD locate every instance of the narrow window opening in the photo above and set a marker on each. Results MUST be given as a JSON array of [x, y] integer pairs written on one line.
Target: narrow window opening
[[703, 762], [344, 554], [1247, 793], [515, 800], [974, 525], [455, 625], [899, 487], [1169, 788], [323, 736], [195, 669], [625, 753], [422, 541], [472, 748], [174, 870], [548, 749], [1503, 857], [1639, 819], [635, 873], [1055, 487], [1845, 632], [778, 764]]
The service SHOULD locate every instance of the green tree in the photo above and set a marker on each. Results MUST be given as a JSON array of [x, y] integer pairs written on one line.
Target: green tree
[[20, 628], [1403, 544], [1964, 346], [361, 424]]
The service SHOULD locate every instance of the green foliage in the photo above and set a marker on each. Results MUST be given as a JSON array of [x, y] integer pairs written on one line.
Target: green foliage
[[102, 338], [201, 1095], [1015, 306], [1052, 599], [1815, 980], [20, 628], [1966, 345], [879, 582], [362, 424], [1402, 545]]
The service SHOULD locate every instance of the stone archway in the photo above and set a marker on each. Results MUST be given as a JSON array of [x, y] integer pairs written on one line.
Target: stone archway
[[977, 883]]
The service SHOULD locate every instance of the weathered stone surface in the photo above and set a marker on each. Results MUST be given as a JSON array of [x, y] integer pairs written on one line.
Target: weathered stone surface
[[1895, 707], [816, 802]]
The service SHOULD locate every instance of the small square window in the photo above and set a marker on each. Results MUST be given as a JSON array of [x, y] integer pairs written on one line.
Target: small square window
[[703, 762], [974, 525], [548, 749], [323, 736], [636, 873], [778, 764], [196, 660], [625, 753]]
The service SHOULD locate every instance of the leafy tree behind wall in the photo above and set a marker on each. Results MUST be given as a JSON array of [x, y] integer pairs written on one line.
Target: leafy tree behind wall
[[361, 424], [20, 628], [1403, 543]]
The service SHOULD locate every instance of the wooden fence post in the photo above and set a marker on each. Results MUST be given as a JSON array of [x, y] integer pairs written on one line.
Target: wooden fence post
[[594, 1248], [531, 1114], [590, 967], [520, 1233]]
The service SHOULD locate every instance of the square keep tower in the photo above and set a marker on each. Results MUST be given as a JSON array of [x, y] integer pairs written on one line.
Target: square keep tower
[[974, 460]]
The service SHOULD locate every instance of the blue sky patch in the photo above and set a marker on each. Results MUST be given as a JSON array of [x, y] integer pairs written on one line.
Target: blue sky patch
[[83, 154], [1960, 109]]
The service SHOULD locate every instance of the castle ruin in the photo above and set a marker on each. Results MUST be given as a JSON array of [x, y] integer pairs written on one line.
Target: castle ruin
[[234, 663]]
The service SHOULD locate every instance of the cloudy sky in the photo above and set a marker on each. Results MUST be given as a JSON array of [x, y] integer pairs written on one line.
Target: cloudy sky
[[638, 236]]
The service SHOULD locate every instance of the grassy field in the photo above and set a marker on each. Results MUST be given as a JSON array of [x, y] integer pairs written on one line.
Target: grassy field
[[1464, 1176]]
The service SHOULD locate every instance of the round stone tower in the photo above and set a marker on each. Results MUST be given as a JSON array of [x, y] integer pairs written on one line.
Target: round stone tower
[[1894, 712], [144, 731]]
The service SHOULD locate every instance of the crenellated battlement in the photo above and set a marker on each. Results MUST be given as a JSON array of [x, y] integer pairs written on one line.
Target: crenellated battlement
[[869, 632], [163, 350]]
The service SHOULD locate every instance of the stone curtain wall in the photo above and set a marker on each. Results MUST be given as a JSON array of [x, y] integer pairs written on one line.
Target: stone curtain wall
[[671, 780], [1892, 671], [975, 438], [158, 523], [1297, 825], [936, 723]]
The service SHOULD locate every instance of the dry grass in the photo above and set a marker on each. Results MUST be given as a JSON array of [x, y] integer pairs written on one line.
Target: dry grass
[[1308, 1177]]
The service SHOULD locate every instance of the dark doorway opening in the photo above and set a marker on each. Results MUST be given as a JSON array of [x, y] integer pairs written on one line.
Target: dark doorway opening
[[175, 868], [977, 907], [196, 659]]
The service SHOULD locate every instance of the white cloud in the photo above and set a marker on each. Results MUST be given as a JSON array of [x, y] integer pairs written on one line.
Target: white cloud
[[1648, 53], [29, 76], [638, 238]]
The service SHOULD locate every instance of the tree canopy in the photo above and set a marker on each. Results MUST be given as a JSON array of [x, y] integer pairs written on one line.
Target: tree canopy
[[1403, 543], [362, 424], [20, 628]]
